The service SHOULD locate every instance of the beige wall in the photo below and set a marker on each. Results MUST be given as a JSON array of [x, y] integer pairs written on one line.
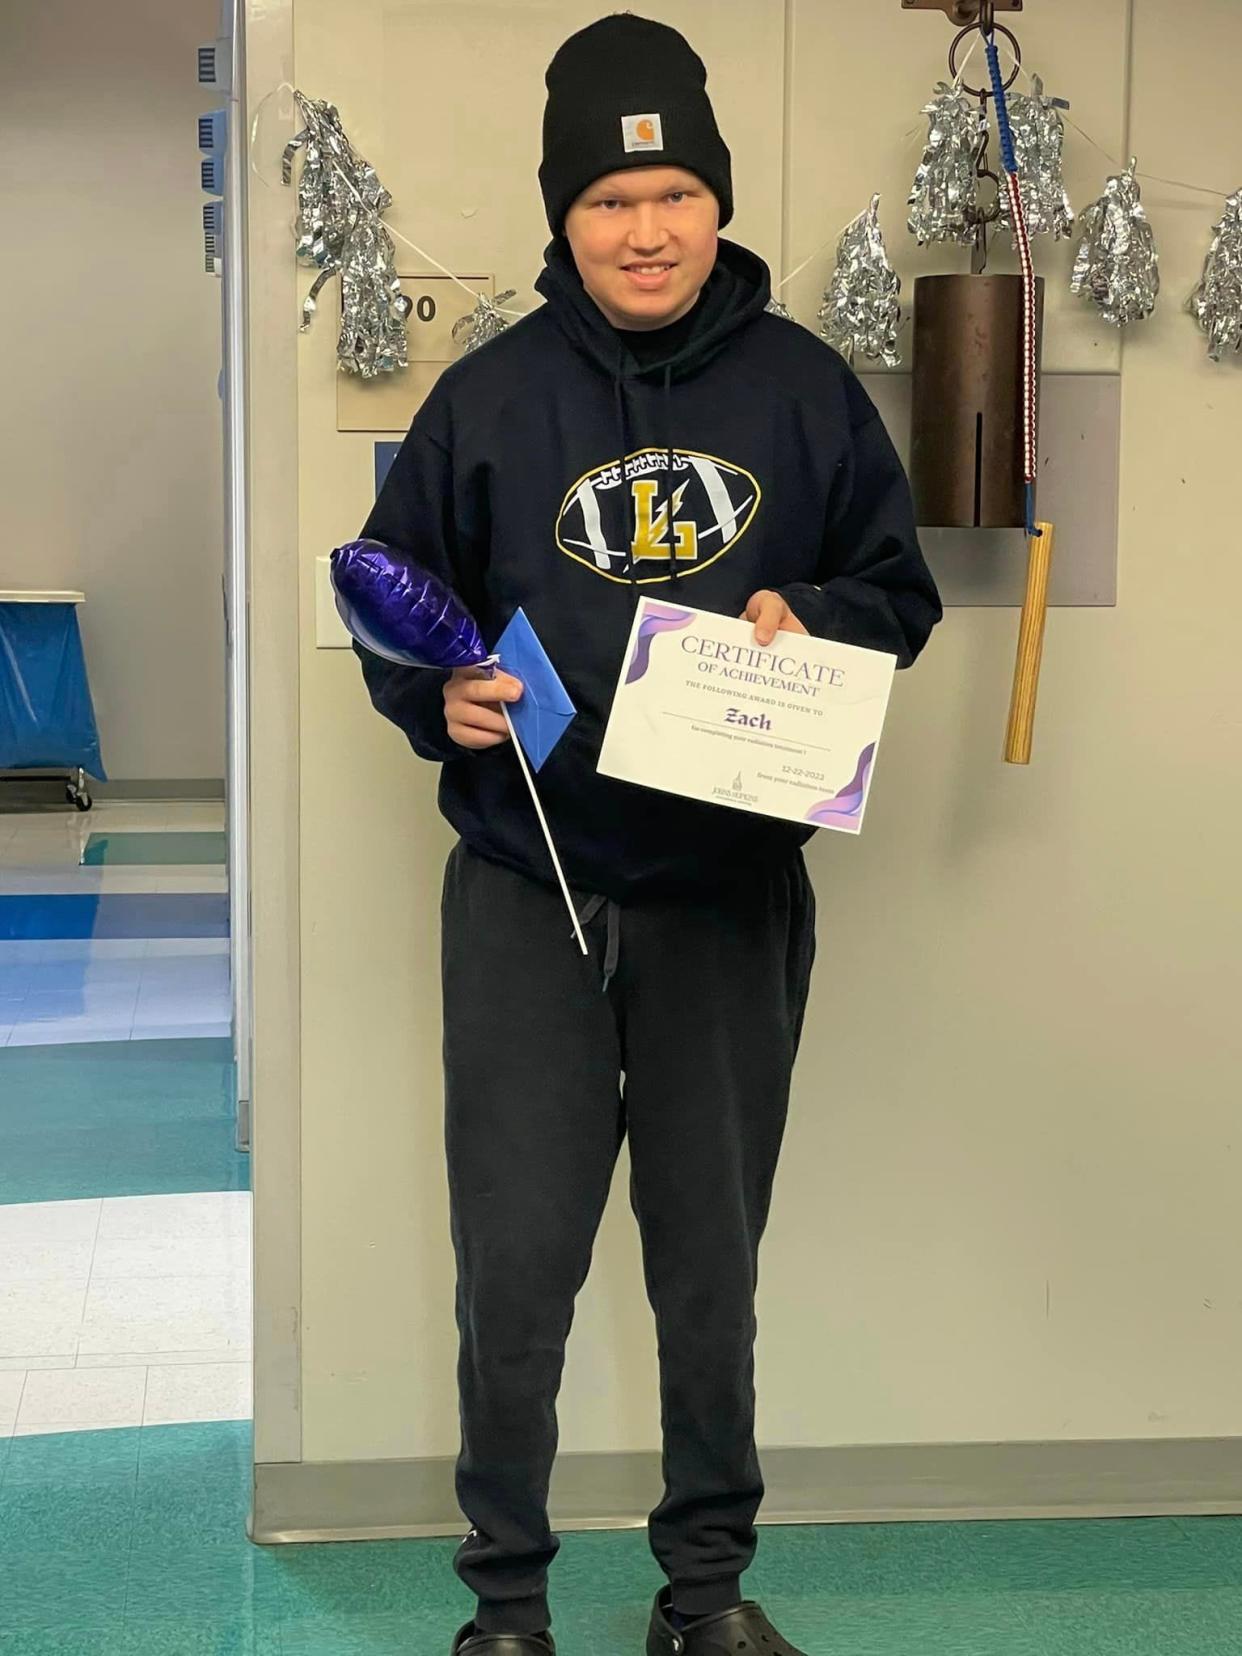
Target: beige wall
[[110, 478], [1008, 1205]]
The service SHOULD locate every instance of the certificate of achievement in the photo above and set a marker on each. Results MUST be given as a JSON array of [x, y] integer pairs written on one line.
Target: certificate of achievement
[[789, 729]]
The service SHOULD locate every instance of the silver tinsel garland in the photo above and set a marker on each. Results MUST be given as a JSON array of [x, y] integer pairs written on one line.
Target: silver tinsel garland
[[1038, 141], [1216, 303], [1117, 267], [946, 186], [484, 322], [338, 228], [861, 311], [776, 308]]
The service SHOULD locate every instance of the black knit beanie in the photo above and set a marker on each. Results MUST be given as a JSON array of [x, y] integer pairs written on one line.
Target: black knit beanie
[[627, 92]]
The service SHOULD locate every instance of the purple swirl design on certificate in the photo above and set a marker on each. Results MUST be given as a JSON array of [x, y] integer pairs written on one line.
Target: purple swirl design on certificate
[[659, 618], [844, 810]]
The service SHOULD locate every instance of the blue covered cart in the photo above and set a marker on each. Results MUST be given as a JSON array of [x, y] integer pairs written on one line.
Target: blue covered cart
[[47, 718]]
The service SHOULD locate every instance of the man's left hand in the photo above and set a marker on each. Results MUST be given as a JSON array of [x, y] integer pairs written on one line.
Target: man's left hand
[[771, 614]]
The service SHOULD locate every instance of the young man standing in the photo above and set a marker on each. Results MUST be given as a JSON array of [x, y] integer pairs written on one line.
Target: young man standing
[[649, 426]]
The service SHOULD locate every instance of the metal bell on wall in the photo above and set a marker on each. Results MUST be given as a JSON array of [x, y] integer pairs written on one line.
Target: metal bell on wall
[[966, 455]]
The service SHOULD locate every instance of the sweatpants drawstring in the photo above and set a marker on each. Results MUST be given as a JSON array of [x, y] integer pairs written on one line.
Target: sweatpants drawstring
[[612, 932]]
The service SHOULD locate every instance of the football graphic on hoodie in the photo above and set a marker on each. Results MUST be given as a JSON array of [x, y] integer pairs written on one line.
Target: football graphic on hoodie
[[677, 503]]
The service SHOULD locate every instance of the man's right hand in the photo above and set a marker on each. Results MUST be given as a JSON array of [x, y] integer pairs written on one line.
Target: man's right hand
[[472, 702]]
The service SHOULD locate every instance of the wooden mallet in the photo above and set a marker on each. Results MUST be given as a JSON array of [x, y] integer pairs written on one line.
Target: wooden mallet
[[1030, 648]]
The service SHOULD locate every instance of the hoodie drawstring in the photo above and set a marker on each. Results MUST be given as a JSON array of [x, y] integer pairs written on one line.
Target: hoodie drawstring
[[628, 525], [628, 516], [673, 571], [612, 932]]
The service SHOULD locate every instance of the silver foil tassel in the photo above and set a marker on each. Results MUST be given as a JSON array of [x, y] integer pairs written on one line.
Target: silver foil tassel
[[484, 322], [778, 309], [1038, 142], [1118, 268], [338, 228], [1216, 303], [945, 192], [861, 312]]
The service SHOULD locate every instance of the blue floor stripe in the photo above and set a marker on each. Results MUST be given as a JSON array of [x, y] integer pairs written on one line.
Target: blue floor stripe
[[109, 915]]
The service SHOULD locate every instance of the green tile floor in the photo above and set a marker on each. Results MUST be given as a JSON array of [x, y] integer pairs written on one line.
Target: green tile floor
[[83, 1118], [131, 1543], [152, 849]]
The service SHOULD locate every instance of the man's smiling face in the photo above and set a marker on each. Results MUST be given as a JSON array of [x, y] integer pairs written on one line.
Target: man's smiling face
[[644, 240]]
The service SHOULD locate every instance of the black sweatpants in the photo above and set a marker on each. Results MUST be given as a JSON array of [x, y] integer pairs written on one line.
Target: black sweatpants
[[702, 1016]]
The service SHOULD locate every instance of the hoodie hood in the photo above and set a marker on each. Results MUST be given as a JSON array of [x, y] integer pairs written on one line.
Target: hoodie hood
[[736, 292]]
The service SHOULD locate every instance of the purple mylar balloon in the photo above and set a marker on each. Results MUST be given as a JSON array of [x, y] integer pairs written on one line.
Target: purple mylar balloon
[[402, 612]]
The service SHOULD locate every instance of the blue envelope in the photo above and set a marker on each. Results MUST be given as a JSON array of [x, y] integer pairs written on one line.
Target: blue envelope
[[542, 716]]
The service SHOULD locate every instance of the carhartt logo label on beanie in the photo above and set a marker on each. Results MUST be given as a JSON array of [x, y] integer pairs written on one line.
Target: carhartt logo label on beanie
[[627, 92], [642, 132]]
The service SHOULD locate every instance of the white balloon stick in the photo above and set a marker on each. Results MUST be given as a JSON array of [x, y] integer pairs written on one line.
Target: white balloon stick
[[543, 823]]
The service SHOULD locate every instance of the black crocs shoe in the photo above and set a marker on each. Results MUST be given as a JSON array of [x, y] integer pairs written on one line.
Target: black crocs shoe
[[742, 1631], [470, 1642]]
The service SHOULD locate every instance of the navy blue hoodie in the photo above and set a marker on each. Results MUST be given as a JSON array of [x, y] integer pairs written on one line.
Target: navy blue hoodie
[[510, 486]]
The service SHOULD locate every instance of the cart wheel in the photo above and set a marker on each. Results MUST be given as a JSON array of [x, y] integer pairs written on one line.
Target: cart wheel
[[82, 801]]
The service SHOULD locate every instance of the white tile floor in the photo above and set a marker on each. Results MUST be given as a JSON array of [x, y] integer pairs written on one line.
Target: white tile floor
[[118, 1311], [49, 878], [116, 816], [124, 1311]]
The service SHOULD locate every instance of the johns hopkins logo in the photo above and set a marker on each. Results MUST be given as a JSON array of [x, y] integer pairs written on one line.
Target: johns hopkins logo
[[708, 508], [737, 794]]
